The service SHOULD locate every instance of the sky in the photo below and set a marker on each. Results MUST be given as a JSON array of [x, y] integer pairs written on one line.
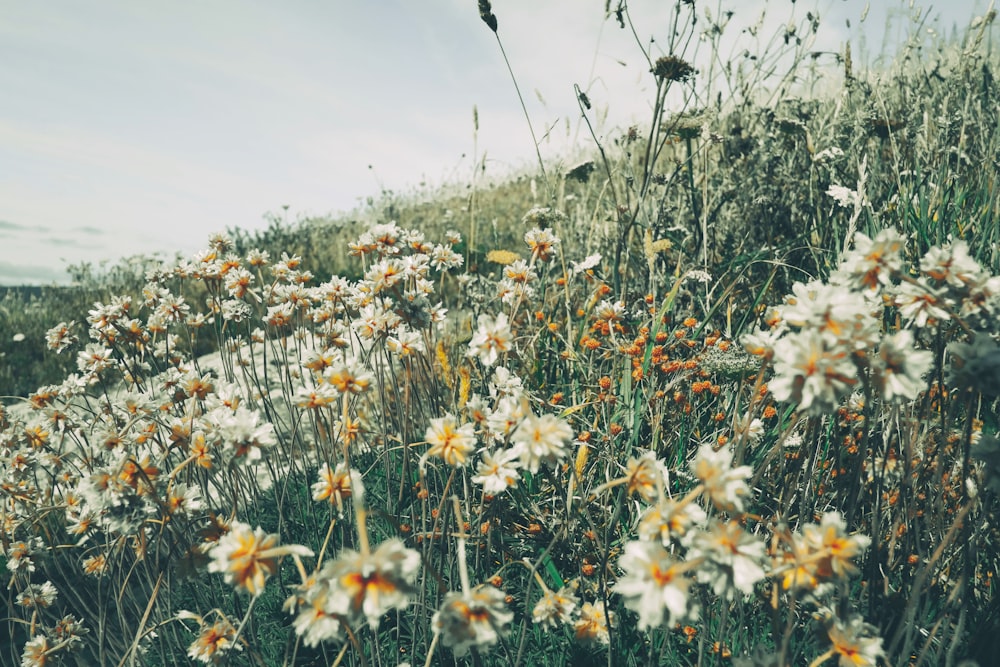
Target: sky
[[135, 128]]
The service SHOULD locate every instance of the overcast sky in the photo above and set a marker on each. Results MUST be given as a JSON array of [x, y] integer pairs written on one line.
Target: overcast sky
[[130, 127]]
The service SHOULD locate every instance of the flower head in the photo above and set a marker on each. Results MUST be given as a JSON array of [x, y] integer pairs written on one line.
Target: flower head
[[243, 435], [248, 557], [540, 440], [214, 642], [725, 485], [873, 262], [592, 625], [492, 338], [543, 243], [337, 484], [899, 368], [646, 476], [553, 609], [497, 472], [733, 558], [472, 620], [951, 264], [37, 596], [856, 643], [835, 550], [450, 442], [369, 585], [654, 585], [811, 372], [669, 520]]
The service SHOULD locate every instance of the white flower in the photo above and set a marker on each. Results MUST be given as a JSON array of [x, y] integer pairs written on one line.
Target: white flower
[[348, 375], [844, 196], [920, 303], [520, 272], [540, 440], [505, 383], [543, 243], [828, 155], [384, 274], [669, 520], [337, 484], [856, 643], [61, 336], [241, 433], [646, 476], [733, 558], [369, 585], [873, 262], [981, 295], [654, 585], [183, 499], [725, 486], [497, 473], [476, 619], [214, 642], [951, 264], [234, 310], [37, 595], [20, 555], [609, 311], [587, 263], [552, 609], [761, 343], [248, 557], [94, 358], [507, 415], [311, 398], [698, 276], [840, 314], [492, 338], [809, 372], [405, 343], [448, 442], [754, 428], [899, 368], [444, 258], [834, 550], [592, 625], [477, 409]]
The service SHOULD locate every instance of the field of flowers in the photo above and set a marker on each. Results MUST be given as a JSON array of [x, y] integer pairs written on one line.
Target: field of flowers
[[725, 394]]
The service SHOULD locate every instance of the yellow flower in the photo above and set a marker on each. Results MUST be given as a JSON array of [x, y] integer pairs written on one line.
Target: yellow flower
[[502, 257]]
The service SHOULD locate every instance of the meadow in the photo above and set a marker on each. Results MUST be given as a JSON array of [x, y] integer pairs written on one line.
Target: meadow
[[721, 391]]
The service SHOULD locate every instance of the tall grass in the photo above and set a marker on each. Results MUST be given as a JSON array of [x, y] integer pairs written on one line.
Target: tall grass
[[724, 393]]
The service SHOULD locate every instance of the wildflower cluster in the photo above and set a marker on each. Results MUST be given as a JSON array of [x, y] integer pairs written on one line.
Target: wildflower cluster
[[627, 455]]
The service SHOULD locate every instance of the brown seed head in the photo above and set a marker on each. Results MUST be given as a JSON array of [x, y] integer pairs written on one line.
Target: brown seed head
[[487, 15], [672, 68]]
